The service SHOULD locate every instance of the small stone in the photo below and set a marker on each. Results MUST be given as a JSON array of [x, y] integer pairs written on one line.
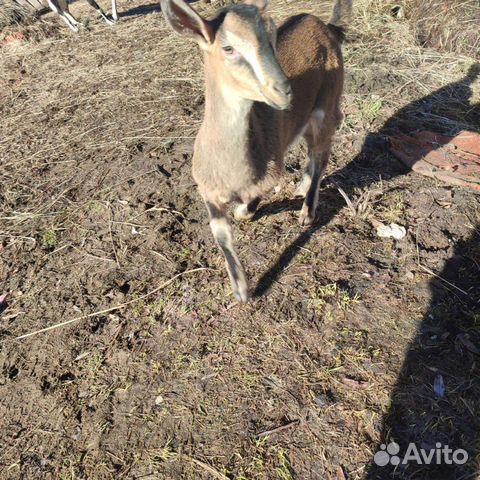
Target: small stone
[[410, 275], [391, 231]]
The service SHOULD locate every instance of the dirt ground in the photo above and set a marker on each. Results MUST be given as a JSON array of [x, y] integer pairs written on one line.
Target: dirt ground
[[349, 338]]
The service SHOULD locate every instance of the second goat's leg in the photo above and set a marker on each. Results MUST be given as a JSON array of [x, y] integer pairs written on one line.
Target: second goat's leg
[[97, 7], [61, 7], [114, 10]]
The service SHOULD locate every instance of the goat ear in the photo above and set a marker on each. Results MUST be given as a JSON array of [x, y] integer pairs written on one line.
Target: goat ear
[[262, 5], [271, 30], [186, 21]]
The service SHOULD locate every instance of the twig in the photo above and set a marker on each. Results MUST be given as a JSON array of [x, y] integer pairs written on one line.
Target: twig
[[206, 467], [278, 429], [431, 272], [162, 209], [345, 196], [111, 309], [161, 255], [58, 249], [213, 473], [96, 257], [111, 235], [31, 239]]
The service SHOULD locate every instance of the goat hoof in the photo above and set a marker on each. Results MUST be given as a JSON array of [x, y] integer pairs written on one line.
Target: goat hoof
[[305, 219], [241, 294], [242, 213]]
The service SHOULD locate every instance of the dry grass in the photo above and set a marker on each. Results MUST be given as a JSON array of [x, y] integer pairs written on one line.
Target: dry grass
[[445, 26], [12, 12], [450, 26]]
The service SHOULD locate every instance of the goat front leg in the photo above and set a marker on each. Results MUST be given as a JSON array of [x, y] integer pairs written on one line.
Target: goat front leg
[[222, 233]]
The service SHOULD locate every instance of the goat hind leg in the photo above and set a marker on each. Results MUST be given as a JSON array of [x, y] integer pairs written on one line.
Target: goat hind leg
[[97, 7], [319, 139], [114, 10], [306, 181], [222, 233], [61, 7], [246, 211], [317, 164]]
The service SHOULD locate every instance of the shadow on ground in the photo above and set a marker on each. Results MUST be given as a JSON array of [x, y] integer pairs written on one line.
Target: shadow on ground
[[436, 400], [145, 9], [141, 10], [445, 110], [445, 348]]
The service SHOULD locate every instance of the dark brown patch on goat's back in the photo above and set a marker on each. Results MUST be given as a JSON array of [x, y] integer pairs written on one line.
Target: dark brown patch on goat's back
[[310, 56]]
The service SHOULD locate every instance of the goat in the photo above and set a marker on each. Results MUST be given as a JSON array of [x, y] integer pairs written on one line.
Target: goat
[[264, 87], [61, 7]]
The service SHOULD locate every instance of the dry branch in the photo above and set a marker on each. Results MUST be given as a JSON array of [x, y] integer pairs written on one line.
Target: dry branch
[[112, 309]]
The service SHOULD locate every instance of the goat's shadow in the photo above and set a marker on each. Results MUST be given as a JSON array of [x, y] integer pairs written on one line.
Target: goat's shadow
[[374, 162], [144, 9], [449, 335], [141, 10]]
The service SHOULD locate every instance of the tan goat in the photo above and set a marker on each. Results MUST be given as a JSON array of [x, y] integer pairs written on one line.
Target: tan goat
[[264, 88]]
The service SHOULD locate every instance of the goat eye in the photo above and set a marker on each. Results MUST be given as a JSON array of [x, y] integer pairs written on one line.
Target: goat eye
[[228, 50]]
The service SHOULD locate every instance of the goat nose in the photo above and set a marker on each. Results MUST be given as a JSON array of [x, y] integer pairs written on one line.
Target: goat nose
[[284, 88]]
